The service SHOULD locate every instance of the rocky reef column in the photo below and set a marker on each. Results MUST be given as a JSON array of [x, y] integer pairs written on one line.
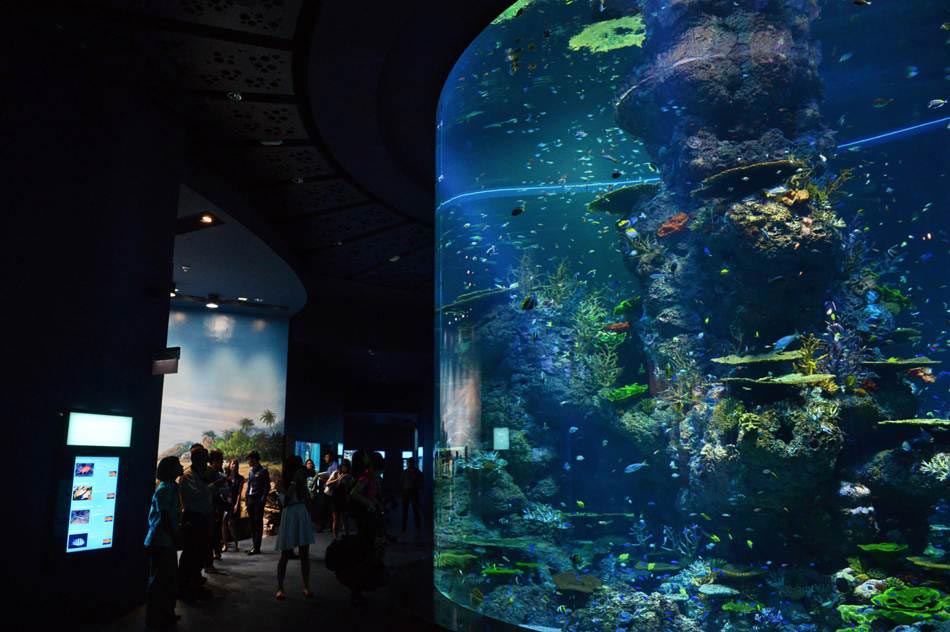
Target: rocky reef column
[[739, 245], [727, 107]]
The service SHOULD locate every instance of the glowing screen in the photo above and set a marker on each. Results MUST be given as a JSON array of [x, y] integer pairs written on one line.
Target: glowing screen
[[91, 516], [99, 430]]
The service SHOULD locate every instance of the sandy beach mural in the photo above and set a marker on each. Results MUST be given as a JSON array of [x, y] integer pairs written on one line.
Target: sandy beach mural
[[230, 390]]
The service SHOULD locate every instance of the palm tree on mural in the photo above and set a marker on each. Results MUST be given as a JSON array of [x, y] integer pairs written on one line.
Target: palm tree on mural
[[246, 424], [211, 434], [268, 418]]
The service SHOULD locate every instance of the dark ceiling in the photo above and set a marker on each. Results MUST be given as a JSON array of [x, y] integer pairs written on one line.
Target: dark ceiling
[[315, 118]]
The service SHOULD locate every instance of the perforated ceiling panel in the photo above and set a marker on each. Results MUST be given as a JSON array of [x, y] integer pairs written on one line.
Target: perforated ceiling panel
[[221, 119], [311, 197], [276, 18], [411, 271], [325, 231], [277, 164], [362, 255], [227, 68], [199, 63]]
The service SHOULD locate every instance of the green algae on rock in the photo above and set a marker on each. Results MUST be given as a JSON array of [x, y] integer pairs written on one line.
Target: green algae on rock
[[924, 422], [777, 356], [608, 35]]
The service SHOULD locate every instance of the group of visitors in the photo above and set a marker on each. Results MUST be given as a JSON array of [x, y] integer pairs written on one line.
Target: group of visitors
[[196, 511]]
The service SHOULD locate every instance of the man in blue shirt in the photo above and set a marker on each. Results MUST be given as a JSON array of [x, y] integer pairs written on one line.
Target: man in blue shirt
[[258, 486]]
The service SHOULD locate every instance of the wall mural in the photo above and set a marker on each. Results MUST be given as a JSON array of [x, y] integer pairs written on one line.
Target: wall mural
[[230, 390]]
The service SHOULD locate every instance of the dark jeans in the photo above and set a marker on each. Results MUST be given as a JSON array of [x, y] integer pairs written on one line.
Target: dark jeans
[[216, 525], [255, 509], [162, 585], [195, 536], [410, 498]]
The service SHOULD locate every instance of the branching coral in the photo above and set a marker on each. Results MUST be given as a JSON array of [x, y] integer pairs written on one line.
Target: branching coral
[[683, 542], [603, 367], [938, 466], [809, 362], [545, 514], [560, 285], [484, 461]]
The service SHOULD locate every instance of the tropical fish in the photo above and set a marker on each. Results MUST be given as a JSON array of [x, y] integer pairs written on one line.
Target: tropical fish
[[862, 3], [784, 341], [748, 543], [528, 303], [881, 102], [573, 429], [715, 538], [580, 503], [724, 272], [623, 557], [634, 467], [936, 103], [845, 57], [616, 327], [516, 211]]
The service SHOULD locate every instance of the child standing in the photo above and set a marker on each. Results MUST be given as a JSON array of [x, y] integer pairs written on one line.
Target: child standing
[[160, 544]]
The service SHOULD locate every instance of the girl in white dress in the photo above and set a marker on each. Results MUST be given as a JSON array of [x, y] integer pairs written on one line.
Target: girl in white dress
[[296, 530]]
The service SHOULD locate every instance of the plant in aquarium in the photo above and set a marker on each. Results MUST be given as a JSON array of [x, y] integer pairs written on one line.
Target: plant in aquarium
[[693, 285]]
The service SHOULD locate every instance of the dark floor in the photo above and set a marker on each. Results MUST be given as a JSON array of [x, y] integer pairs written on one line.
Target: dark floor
[[245, 586]]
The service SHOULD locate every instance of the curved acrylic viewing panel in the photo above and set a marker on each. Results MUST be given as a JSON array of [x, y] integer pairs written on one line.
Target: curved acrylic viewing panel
[[691, 303]]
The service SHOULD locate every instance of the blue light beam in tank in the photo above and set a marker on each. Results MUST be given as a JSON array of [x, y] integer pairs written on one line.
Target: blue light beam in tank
[[543, 188], [913, 129], [558, 188]]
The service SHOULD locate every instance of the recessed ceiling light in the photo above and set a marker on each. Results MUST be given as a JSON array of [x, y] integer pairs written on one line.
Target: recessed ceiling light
[[235, 96], [394, 258], [211, 305], [207, 218], [242, 298], [186, 268], [259, 300], [171, 295]]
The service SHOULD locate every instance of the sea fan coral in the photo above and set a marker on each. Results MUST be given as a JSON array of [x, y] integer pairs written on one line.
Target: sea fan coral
[[938, 466]]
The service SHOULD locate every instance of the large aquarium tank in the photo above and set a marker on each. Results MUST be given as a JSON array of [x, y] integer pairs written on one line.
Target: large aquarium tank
[[692, 299]]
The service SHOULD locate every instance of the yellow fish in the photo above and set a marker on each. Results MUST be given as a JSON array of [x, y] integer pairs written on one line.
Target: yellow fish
[[705, 515], [724, 272], [580, 503], [715, 538], [623, 557], [623, 222], [748, 543]]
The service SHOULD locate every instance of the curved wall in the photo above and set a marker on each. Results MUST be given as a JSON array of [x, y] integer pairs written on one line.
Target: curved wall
[[673, 315]]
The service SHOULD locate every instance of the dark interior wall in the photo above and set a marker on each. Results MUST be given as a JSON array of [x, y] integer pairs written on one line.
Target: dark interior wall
[[91, 185]]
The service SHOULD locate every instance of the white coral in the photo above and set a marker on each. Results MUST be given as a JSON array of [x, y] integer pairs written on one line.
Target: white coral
[[938, 466]]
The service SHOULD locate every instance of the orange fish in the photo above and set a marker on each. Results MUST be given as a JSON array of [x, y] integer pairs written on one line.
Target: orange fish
[[673, 225], [624, 326]]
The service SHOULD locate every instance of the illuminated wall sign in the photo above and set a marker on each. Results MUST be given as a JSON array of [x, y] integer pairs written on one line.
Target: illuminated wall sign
[[91, 517], [500, 439], [110, 431]]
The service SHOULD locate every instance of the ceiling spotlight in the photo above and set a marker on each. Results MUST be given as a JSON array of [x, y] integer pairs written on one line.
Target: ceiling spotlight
[[234, 96], [259, 300], [171, 295], [186, 268], [207, 218], [394, 258], [211, 305], [242, 298]]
